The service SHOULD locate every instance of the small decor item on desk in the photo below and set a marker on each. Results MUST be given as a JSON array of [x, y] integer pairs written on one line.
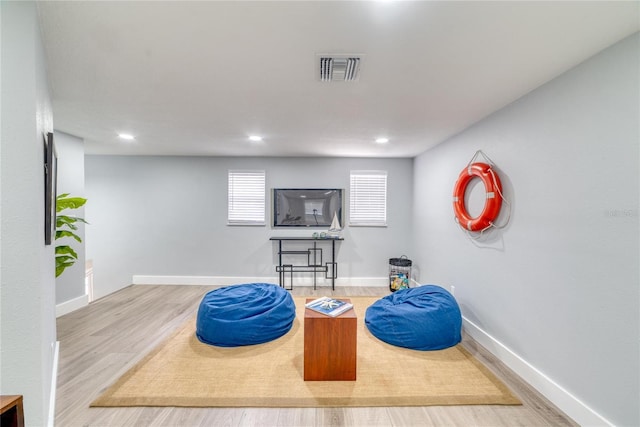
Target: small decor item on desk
[[335, 229], [329, 306]]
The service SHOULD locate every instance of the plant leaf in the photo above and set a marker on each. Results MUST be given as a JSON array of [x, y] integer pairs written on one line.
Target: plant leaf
[[64, 202], [64, 219], [65, 259], [76, 219], [61, 267], [64, 233], [62, 262], [64, 223], [68, 219], [66, 250]]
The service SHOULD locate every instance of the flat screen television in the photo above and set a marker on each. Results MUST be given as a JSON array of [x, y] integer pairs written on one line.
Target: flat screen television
[[306, 207]]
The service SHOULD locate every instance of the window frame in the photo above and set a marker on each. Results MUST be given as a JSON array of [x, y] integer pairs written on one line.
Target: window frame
[[374, 215], [239, 180]]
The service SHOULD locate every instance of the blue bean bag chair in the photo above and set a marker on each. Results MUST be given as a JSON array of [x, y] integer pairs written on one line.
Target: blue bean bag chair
[[422, 318], [252, 313]]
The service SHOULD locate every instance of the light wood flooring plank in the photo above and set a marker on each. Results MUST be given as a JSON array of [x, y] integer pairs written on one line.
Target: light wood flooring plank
[[100, 342]]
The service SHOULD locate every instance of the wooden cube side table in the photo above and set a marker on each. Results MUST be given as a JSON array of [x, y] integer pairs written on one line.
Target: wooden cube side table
[[329, 346], [11, 411]]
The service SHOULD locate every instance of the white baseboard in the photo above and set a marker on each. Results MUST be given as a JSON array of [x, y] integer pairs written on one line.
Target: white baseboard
[[199, 280], [71, 305], [363, 281], [233, 280], [565, 401], [54, 385]]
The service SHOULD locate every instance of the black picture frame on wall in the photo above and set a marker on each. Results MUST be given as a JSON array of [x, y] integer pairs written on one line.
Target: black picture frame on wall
[[50, 184]]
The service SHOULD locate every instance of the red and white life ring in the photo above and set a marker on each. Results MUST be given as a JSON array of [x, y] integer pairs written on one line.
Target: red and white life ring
[[493, 201]]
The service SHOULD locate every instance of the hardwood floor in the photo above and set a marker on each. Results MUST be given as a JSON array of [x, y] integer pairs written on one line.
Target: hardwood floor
[[100, 342]]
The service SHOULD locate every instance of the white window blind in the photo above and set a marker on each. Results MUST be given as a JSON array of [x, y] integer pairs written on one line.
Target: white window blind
[[246, 197], [368, 198]]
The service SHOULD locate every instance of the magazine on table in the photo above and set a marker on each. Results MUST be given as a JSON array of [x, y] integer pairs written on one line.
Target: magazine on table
[[329, 306]]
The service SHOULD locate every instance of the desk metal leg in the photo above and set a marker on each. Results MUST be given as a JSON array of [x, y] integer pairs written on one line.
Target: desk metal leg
[[281, 272], [333, 262], [314, 263]]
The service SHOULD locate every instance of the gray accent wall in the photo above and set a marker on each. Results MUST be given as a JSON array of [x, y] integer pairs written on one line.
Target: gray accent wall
[[27, 277], [167, 216], [559, 286]]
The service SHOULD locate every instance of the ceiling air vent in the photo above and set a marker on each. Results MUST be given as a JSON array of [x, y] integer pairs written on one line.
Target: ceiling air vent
[[339, 69]]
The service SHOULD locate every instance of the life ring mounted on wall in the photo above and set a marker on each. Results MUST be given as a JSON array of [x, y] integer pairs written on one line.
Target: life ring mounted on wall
[[493, 201]]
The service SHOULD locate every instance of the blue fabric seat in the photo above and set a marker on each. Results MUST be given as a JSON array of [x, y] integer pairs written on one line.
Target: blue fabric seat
[[247, 314], [422, 318]]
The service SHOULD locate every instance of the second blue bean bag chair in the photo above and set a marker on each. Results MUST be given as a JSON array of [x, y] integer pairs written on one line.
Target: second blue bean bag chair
[[422, 318], [247, 314]]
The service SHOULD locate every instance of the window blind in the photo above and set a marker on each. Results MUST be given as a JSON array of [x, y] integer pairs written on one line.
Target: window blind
[[368, 198], [246, 199]]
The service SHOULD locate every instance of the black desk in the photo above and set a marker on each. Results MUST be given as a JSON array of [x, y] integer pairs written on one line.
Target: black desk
[[314, 260]]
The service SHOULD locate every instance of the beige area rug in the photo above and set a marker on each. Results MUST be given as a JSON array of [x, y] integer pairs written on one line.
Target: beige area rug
[[182, 371]]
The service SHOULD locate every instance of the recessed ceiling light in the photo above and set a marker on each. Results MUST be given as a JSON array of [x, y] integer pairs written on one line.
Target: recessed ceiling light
[[255, 138], [126, 136], [382, 140]]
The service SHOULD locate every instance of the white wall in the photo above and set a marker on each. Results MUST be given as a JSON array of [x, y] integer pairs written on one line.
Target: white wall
[[27, 319], [559, 287], [167, 216], [70, 284]]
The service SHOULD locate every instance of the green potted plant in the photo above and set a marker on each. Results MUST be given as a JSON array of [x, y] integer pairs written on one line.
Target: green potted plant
[[65, 227]]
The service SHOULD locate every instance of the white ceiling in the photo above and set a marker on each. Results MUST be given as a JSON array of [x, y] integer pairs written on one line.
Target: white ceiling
[[197, 78]]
